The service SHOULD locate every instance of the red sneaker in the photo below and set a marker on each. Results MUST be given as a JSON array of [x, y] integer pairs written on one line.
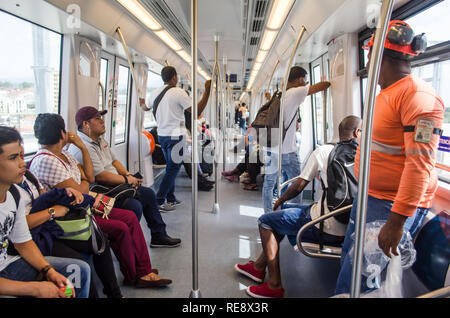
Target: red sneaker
[[250, 271], [264, 291]]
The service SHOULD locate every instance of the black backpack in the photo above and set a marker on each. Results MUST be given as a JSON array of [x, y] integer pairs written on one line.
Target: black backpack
[[342, 184], [268, 118]]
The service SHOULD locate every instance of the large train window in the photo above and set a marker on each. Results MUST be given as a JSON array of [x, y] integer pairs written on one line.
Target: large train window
[[121, 121], [30, 75], [154, 81], [433, 66]]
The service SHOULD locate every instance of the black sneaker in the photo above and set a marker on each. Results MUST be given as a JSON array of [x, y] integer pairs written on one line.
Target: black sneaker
[[165, 241]]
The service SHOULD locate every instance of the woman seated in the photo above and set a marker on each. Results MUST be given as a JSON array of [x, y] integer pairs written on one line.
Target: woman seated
[[57, 168], [249, 167], [47, 238]]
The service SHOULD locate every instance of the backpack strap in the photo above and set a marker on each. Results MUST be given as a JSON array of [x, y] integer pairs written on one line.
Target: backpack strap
[[16, 194], [159, 98], [30, 176]]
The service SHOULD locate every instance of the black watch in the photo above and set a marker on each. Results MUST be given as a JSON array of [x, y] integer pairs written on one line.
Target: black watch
[[43, 272]]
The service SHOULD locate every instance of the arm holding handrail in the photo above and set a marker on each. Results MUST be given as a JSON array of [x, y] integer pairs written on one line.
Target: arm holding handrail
[[313, 223]]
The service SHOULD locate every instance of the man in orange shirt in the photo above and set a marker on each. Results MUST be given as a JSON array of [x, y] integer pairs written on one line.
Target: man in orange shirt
[[407, 123]]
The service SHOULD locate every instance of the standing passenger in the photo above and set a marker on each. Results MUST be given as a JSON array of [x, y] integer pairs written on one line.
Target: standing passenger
[[297, 90], [171, 131], [402, 175]]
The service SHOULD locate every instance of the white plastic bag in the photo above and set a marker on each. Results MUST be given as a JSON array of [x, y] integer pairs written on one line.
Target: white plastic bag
[[375, 261]]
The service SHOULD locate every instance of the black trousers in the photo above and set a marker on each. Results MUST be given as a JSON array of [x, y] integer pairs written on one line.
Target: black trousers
[[103, 264]]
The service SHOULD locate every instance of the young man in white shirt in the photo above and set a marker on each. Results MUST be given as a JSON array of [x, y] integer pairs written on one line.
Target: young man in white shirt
[[171, 131], [30, 274], [274, 226], [297, 91]]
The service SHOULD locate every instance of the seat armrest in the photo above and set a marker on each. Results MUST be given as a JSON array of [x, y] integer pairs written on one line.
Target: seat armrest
[[313, 223]]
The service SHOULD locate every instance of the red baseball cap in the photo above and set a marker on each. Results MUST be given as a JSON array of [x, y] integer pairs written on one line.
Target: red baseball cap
[[86, 113]]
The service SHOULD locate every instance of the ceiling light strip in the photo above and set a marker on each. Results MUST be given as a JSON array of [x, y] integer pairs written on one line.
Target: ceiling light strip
[[136, 9], [277, 17]]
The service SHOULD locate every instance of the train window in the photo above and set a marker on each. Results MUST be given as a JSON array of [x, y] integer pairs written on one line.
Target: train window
[[30, 76], [103, 81], [122, 105], [153, 82], [438, 75], [433, 22]]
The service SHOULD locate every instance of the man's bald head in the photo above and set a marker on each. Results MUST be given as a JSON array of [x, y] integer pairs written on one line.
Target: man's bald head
[[348, 126]]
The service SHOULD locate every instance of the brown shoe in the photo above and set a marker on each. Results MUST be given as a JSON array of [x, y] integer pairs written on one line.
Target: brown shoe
[[127, 282], [155, 282]]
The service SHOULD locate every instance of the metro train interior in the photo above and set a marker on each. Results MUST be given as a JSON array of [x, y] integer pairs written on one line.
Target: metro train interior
[[61, 55]]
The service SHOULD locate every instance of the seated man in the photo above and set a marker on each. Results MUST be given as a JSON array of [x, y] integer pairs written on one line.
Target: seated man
[[273, 226], [18, 276], [109, 171]]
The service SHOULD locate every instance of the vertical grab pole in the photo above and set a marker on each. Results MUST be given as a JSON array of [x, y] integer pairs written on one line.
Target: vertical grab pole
[[216, 207], [223, 121], [325, 100], [283, 100], [141, 117], [195, 292], [271, 76], [364, 165]]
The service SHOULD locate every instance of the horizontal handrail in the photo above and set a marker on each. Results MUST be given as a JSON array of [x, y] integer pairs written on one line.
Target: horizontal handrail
[[313, 223], [443, 167], [443, 292], [284, 184]]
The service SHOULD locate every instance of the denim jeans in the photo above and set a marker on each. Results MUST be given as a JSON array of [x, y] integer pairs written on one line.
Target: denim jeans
[[78, 272], [290, 220], [377, 210], [290, 164], [147, 205], [172, 148]]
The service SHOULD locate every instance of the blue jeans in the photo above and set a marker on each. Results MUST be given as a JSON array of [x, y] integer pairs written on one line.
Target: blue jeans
[[290, 164], [290, 220], [377, 210], [146, 205], [172, 148], [77, 271]]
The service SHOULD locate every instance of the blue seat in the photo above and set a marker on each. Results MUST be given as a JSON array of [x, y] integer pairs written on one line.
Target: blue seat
[[433, 252]]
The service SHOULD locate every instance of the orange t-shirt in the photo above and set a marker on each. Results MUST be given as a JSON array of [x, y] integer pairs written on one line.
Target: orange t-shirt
[[402, 169]]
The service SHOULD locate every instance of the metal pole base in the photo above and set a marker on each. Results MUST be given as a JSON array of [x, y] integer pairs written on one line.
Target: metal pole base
[[195, 294], [216, 208]]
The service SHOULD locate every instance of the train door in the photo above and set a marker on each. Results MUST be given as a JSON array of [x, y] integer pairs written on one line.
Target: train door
[[120, 111]]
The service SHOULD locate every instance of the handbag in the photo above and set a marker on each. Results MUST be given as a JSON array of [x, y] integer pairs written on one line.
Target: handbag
[[116, 196], [79, 224]]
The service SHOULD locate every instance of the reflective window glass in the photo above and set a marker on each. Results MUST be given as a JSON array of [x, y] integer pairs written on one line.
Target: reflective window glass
[[30, 75]]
